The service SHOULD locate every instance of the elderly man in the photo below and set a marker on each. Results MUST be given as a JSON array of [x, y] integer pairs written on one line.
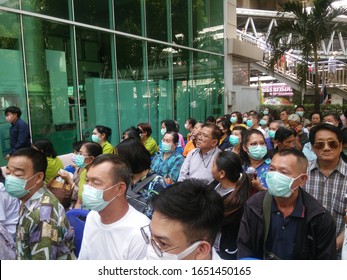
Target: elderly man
[[327, 174], [199, 161], [186, 219], [43, 231], [112, 229], [286, 222]]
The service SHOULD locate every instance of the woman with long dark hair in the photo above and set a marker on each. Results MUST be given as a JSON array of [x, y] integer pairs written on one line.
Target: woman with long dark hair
[[235, 188]]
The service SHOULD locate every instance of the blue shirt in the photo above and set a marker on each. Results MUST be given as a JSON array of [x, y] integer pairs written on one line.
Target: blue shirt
[[171, 165], [261, 171], [282, 233], [19, 135]]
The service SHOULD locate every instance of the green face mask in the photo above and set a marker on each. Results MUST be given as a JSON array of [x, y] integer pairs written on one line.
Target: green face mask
[[15, 186]]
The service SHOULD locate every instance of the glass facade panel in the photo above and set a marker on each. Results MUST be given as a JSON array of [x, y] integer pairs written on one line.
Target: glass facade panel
[[156, 20], [52, 108], [93, 12], [97, 85], [54, 8], [81, 77], [12, 85], [10, 3], [129, 16], [180, 23]]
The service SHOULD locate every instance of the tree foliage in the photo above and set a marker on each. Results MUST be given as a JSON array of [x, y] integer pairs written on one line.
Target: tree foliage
[[307, 28]]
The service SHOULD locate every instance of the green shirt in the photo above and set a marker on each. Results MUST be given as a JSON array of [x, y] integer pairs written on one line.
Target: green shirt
[[151, 145], [53, 166], [43, 231], [107, 148]]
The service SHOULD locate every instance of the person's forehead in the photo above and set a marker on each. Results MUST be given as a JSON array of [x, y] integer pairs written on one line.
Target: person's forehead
[[164, 227], [287, 162], [168, 136], [255, 137], [325, 134], [206, 130], [20, 163], [101, 170]]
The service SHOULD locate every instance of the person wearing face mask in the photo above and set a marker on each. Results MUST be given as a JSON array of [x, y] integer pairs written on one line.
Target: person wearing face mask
[[171, 125], [147, 139], [186, 219], [254, 154], [236, 120], [189, 126], [43, 231], [112, 229], [85, 156], [236, 137], [286, 222], [300, 111], [191, 144], [224, 126], [168, 163], [101, 135]]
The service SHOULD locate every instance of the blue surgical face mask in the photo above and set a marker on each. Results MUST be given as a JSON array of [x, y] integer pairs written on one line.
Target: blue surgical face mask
[[271, 134], [163, 131], [249, 123], [234, 140], [263, 122], [279, 185], [300, 114], [79, 161], [95, 138], [15, 186], [265, 112], [165, 147], [93, 198], [257, 152], [233, 119]]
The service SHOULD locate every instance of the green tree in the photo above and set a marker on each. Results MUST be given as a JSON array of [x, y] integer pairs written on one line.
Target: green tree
[[307, 28]]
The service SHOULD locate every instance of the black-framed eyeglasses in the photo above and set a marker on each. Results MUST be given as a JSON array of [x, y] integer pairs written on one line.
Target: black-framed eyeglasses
[[332, 144], [155, 245]]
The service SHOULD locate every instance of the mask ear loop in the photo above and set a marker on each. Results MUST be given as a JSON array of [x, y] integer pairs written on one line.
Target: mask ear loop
[[293, 182]]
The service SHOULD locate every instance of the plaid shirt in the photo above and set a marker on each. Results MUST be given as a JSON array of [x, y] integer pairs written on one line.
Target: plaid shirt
[[329, 191]]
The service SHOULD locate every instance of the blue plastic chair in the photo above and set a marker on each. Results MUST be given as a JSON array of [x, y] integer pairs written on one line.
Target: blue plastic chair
[[77, 219]]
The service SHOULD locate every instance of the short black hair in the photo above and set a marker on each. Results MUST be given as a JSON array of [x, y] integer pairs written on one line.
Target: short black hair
[[299, 106], [45, 146], [37, 158], [198, 207], [324, 126], [13, 110], [76, 146], [175, 137], [215, 133], [300, 158], [192, 121], [132, 132], [120, 171], [282, 133], [211, 119], [133, 151], [170, 125]]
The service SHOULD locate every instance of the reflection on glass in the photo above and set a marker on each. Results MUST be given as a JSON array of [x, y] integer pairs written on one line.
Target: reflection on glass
[[12, 89], [179, 18], [10, 3], [52, 108], [53, 8], [93, 12], [128, 16], [96, 82], [156, 18]]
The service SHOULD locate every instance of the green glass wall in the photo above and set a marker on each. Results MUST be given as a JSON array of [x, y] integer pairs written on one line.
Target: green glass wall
[[77, 64]]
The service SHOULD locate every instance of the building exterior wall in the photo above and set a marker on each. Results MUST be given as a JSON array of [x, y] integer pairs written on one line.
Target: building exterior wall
[[73, 64]]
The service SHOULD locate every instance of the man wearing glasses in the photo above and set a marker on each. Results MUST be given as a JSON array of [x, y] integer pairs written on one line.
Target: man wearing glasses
[[186, 219], [327, 174], [199, 161]]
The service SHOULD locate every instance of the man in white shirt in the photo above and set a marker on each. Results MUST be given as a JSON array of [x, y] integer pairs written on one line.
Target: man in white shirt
[[186, 220], [112, 230], [199, 161]]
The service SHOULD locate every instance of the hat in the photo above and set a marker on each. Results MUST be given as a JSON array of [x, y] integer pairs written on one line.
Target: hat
[[294, 117]]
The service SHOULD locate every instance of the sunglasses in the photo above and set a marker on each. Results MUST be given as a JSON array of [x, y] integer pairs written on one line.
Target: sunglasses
[[332, 144]]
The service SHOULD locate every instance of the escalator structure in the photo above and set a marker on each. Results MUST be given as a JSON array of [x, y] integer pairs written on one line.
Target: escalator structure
[[332, 73]]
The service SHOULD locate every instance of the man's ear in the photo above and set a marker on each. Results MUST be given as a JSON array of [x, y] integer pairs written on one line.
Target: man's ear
[[122, 188], [40, 177], [204, 251]]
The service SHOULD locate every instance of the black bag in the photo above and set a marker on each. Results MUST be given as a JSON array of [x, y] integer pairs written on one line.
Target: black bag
[[135, 199]]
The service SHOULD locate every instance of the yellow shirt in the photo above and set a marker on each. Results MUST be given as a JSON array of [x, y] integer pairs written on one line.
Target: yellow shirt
[[107, 148], [53, 166], [151, 145]]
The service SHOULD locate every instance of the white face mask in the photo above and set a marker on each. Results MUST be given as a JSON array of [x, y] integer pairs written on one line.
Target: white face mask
[[152, 255]]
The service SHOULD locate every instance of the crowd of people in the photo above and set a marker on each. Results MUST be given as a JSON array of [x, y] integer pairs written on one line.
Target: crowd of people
[[242, 185]]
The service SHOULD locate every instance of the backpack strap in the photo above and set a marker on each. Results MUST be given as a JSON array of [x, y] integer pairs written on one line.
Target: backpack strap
[[266, 217], [142, 184]]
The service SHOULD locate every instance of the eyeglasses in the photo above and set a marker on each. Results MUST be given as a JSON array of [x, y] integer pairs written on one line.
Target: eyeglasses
[[332, 144], [156, 247]]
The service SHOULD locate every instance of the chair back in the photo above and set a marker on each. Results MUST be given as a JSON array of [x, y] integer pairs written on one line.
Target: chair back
[[77, 219]]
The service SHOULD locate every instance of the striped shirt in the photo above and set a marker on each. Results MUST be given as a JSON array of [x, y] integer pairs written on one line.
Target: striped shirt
[[329, 191]]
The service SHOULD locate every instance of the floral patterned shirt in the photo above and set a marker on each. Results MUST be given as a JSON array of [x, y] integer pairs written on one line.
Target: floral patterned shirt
[[43, 231]]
